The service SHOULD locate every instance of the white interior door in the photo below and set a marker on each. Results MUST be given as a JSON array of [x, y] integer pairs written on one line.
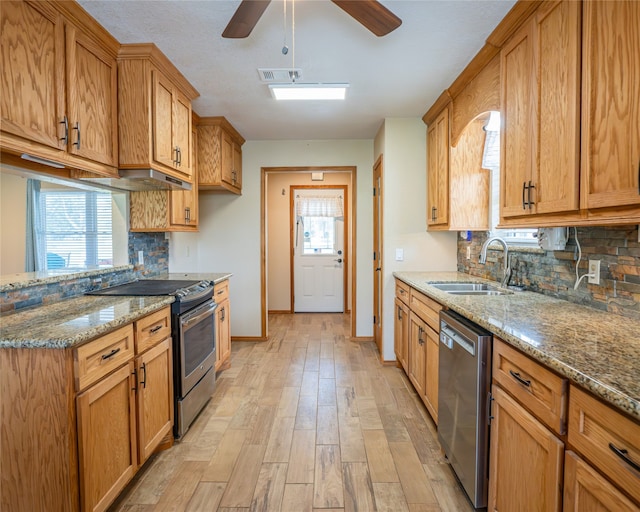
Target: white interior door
[[318, 259]]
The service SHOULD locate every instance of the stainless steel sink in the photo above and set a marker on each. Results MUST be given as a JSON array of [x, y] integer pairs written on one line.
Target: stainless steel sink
[[457, 288]]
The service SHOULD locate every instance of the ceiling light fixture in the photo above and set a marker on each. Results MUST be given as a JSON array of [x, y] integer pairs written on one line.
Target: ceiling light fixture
[[313, 91]]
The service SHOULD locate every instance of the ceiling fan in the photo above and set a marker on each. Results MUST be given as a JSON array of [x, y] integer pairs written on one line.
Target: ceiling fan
[[371, 13]]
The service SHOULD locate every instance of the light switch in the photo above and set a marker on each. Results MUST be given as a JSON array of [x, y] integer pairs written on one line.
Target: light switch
[[399, 254], [140, 258]]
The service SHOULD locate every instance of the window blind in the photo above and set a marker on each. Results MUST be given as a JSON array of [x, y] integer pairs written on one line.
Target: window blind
[[76, 229]]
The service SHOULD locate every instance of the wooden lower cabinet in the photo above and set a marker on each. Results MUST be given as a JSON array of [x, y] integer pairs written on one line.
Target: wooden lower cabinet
[[432, 350], [526, 460], [401, 334], [223, 324], [586, 490], [223, 333], [107, 438], [417, 352], [154, 398]]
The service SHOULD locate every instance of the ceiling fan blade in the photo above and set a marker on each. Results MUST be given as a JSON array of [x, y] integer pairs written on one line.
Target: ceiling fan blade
[[372, 14], [245, 18]]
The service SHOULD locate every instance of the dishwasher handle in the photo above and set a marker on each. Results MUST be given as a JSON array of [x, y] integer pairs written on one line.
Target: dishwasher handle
[[449, 335]]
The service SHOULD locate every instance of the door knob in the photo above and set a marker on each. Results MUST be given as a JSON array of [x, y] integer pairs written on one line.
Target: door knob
[[339, 260]]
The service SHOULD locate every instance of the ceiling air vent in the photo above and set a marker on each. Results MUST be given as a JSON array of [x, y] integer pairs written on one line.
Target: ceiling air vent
[[279, 75]]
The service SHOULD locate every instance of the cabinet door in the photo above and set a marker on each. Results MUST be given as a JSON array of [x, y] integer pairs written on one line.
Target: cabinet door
[[401, 334], [164, 151], [106, 438], [438, 171], [517, 145], [91, 99], [610, 104], [226, 147], [417, 352], [223, 348], [557, 57], [586, 489], [237, 165], [432, 348], [182, 132], [184, 203], [525, 471], [32, 73], [155, 397]]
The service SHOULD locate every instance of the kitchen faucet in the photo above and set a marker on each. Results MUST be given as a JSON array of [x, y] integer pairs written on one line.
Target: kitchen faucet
[[506, 269]]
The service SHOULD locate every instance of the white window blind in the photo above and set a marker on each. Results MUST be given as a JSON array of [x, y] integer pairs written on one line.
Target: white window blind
[[76, 228]]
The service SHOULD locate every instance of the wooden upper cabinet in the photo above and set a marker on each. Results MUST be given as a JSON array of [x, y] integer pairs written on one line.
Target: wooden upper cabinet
[[540, 96], [154, 113], [92, 101], [219, 156], [438, 171], [611, 104], [59, 90], [33, 82]]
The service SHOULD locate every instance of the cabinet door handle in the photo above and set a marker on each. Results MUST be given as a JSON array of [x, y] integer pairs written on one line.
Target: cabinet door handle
[[179, 157], [135, 380], [524, 186], [529, 201], [223, 314], [77, 142], [624, 455], [518, 377], [65, 122], [399, 313], [110, 354], [155, 329], [144, 378], [175, 161], [187, 215]]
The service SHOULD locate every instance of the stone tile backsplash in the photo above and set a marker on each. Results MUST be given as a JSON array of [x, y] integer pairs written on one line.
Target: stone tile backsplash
[[156, 262], [553, 272]]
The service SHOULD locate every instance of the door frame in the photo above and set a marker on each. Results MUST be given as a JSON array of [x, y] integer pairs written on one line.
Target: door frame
[[345, 245], [264, 171], [378, 238]]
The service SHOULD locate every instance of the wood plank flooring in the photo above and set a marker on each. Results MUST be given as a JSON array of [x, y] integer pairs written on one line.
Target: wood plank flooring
[[308, 421]]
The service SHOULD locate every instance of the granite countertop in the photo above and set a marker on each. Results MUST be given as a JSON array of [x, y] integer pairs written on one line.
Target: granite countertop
[[600, 351], [73, 321]]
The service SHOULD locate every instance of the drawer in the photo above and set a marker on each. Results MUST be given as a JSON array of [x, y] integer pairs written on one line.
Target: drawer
[[426, 308], [152, 329], [538, 389], [221, 291], [597, 431], [402, 291], [99, 357]]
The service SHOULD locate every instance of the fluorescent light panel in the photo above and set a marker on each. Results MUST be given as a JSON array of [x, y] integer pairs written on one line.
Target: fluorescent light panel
[[295, 91]]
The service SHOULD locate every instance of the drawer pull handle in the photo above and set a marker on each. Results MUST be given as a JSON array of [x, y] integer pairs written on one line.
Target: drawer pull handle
[[155, 329], [220, 292], [624, 455], [522, 381], [110, 354]]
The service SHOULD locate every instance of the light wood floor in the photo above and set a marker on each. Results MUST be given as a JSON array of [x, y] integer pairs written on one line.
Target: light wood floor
[[307, 421]]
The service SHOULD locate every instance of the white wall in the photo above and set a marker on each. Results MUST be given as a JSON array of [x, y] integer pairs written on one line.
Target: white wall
[[13, 223], [402, 142], [229, 237]]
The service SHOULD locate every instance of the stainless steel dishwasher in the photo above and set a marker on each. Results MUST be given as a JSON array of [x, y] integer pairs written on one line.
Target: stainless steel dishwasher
[[463, 391]]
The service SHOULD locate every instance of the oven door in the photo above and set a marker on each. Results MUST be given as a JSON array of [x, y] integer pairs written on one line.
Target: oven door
[[197, 340]]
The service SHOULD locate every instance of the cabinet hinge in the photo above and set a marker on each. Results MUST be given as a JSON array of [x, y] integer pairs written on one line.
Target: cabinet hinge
[[374, 191], [374, 319], [374, 255]]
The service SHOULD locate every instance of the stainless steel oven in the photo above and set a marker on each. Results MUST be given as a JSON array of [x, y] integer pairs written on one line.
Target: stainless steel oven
[[193, 331], [194, 362]]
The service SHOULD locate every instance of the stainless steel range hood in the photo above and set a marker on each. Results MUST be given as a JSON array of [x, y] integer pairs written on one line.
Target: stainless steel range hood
[[142, 179]]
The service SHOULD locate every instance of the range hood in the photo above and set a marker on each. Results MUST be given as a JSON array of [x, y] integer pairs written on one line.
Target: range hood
[[141, 179]]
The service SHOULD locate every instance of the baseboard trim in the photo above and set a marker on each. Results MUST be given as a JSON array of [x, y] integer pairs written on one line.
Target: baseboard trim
[[361, 338], [249, 338], [280, 312]]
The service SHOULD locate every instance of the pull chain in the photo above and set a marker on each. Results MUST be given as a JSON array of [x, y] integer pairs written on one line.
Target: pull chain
[[285, 48]]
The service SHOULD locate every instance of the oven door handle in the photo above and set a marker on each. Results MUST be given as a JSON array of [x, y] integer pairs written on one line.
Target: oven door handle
[[197, 315]]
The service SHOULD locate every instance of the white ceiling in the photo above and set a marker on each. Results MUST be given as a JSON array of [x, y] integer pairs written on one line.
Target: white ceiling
[[398, 75]]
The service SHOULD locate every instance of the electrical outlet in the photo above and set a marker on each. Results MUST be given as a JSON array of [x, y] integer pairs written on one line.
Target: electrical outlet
[[594, 271], [468, 252], [141, 258]]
